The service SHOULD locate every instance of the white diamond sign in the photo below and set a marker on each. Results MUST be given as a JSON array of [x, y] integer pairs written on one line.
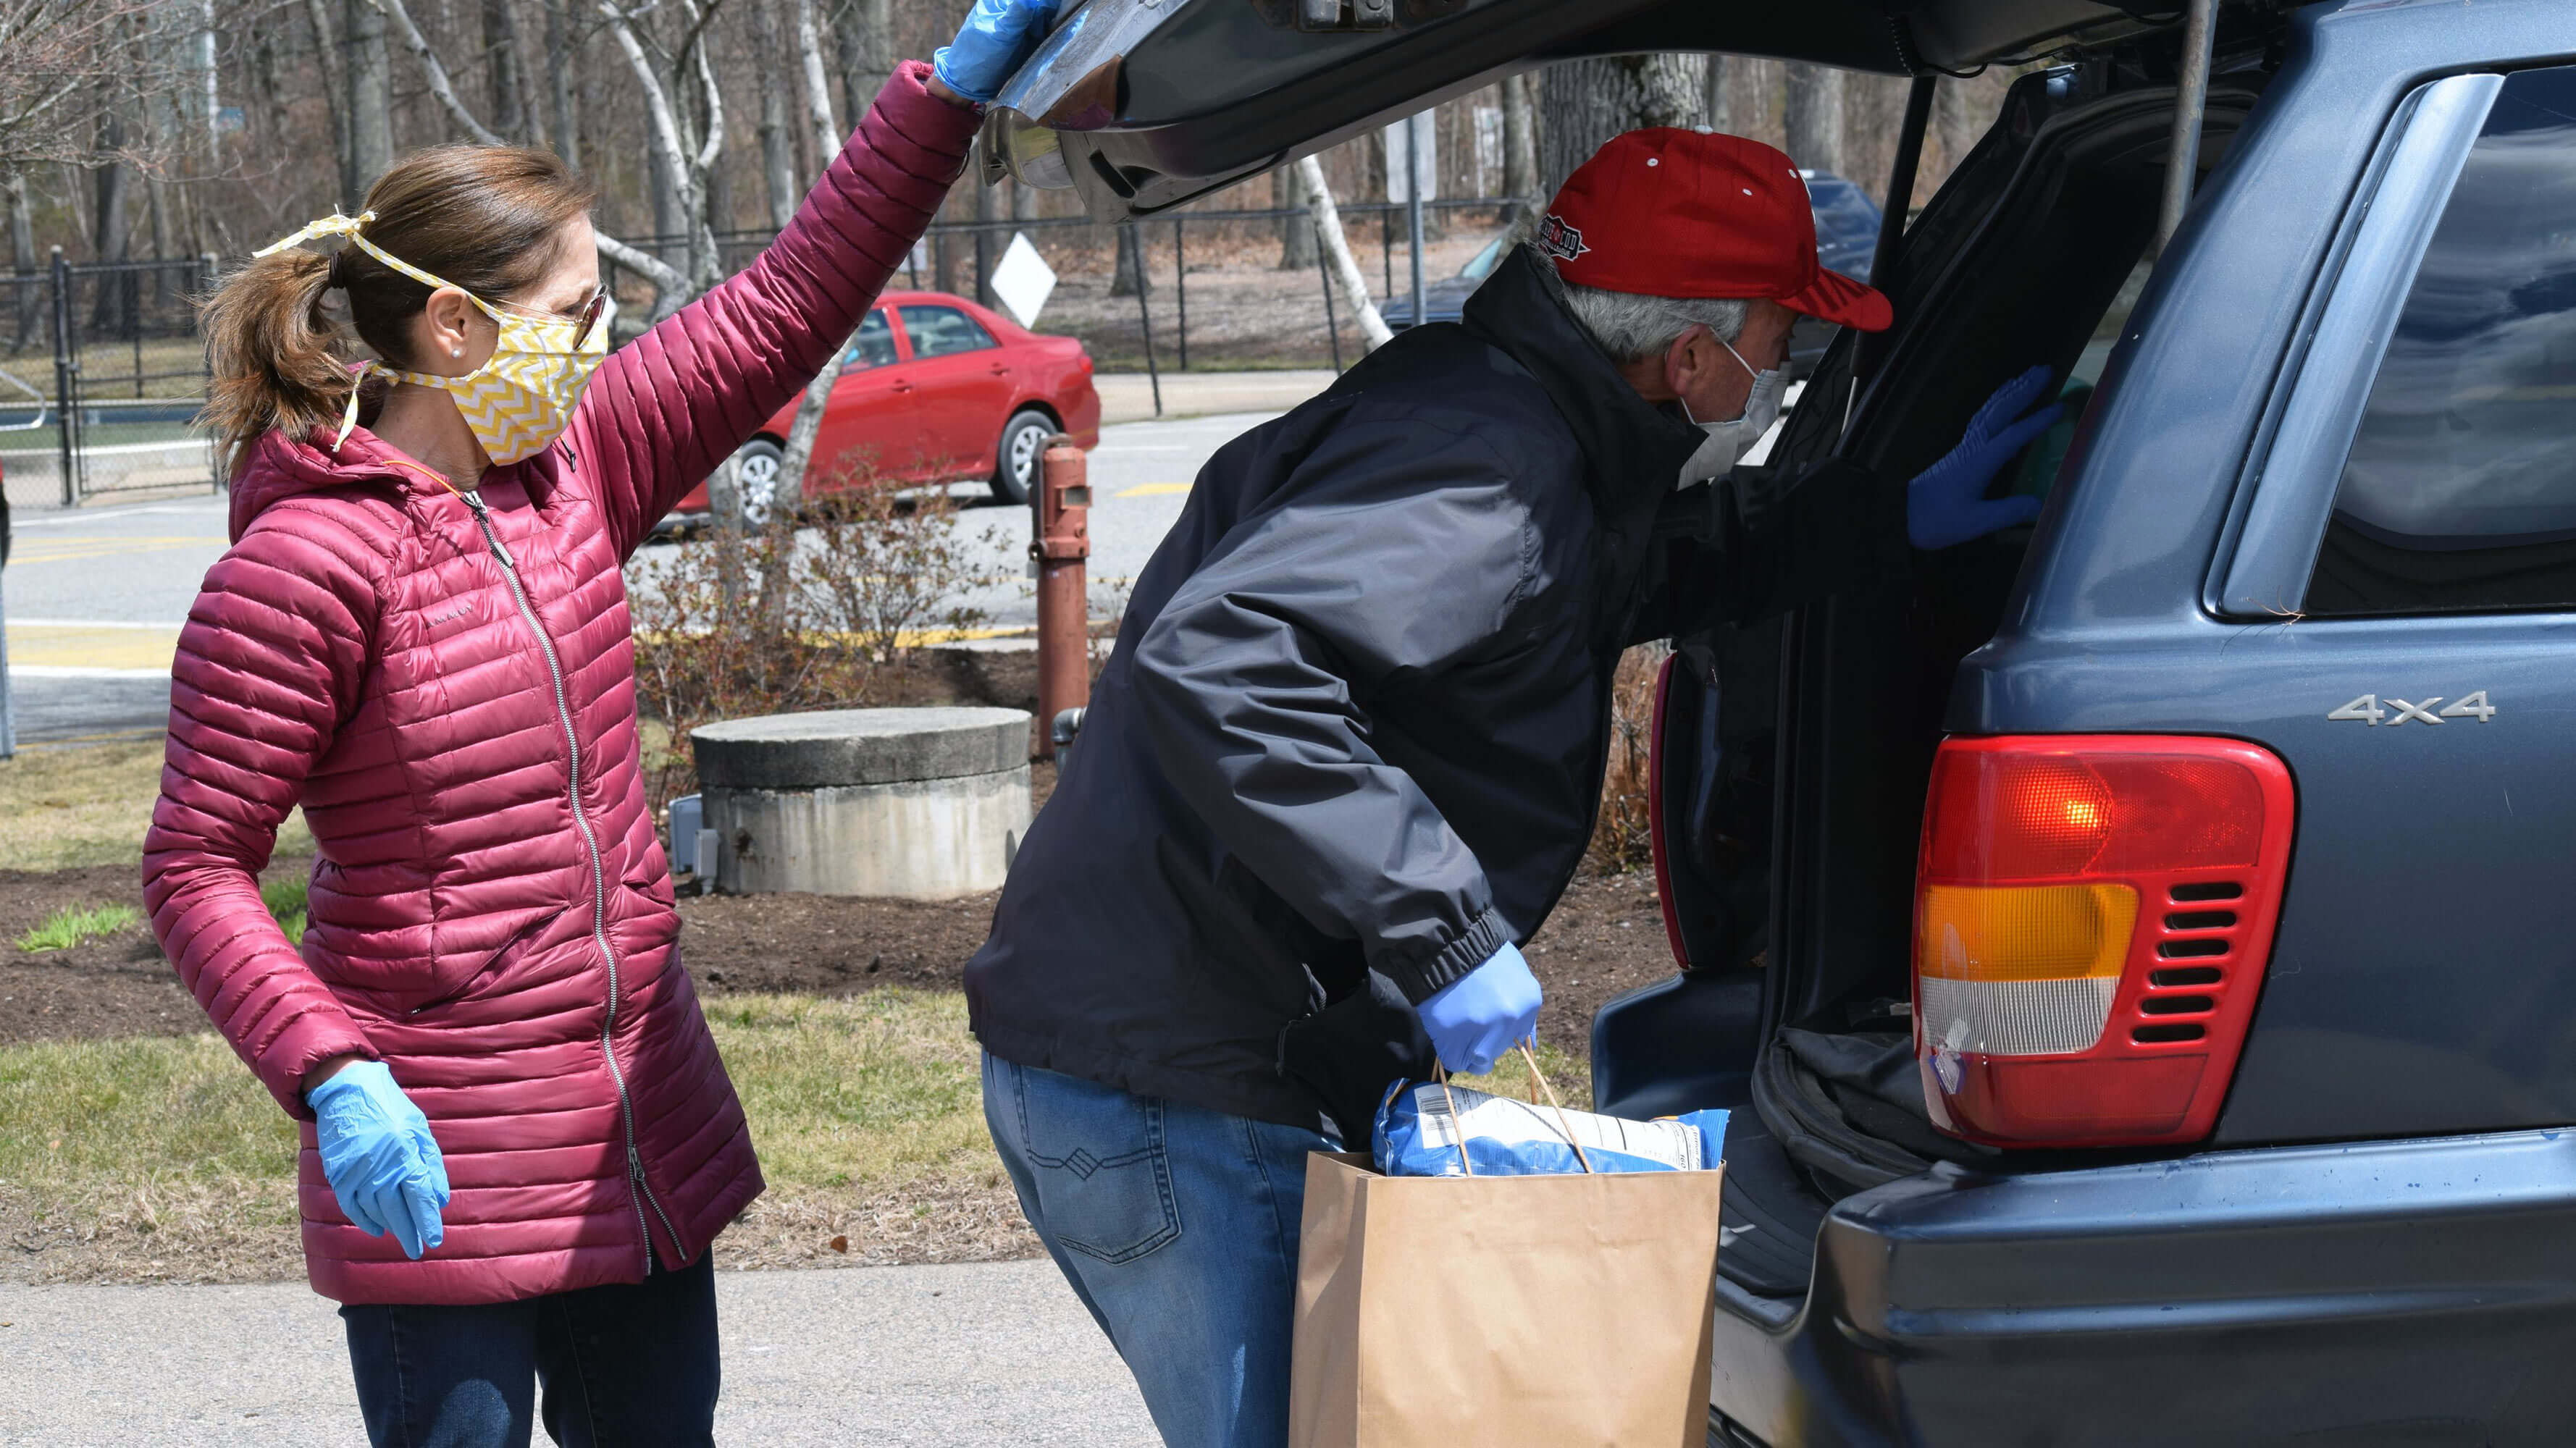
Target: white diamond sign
[[1023, 280]]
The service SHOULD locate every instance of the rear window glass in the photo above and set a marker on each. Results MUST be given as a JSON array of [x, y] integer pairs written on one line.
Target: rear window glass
[[872, 347], [1841, 208], [938, 331], [2459, 493]]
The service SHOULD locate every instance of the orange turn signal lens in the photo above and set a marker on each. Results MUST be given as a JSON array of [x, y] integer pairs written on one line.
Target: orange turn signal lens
[[2024, 932]]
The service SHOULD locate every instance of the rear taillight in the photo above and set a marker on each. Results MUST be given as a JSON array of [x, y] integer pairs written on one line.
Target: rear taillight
[[2092, 916]]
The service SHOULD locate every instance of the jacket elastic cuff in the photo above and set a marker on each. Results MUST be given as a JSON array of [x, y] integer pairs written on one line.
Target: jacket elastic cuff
[[1420, 980], [307, 1044]]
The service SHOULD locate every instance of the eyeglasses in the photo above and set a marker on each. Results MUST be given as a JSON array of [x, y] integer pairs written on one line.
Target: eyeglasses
[[584, 321]]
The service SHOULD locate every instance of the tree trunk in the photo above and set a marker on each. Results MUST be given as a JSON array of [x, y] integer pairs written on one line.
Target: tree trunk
[[501, 74], [1873, 114], [1024, 201], [1520, 145], [1296, 233], [562, 94], [1813, 117], [865, 42], [1746, 98], [371, 98], [1586, 102], [988, 210], [114, 311], [777, 137], [335, 94], [22, 256], [1327, 223], [1130, 275]]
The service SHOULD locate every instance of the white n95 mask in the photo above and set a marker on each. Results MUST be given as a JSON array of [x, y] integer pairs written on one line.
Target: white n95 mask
[[1731, 439]]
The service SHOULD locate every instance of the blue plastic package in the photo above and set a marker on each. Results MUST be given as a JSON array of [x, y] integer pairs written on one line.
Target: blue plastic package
[[1423, 1127]]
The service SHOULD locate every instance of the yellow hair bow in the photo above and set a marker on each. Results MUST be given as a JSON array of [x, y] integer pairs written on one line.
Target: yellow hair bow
[[332, 225]]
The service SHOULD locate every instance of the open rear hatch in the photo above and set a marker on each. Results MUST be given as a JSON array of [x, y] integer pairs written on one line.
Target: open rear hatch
[[1797, 751], [1141, 105]]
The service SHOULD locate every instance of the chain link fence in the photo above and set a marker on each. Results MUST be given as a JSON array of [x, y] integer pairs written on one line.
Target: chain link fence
[[101, 377]]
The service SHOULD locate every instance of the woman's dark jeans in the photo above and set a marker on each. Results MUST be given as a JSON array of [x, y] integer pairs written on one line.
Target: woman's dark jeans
[[624, 1366]]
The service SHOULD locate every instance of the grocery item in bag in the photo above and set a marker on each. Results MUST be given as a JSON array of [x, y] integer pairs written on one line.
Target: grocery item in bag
[[1430, 1128]]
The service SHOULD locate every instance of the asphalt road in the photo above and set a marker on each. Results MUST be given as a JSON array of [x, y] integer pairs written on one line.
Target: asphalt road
[[926, 1357], [95, 597]]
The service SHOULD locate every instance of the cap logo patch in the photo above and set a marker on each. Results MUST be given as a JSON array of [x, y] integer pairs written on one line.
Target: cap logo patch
[[1559, 240]]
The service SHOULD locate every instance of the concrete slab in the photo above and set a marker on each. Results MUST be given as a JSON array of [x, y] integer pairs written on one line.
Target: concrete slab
[[859, 746]]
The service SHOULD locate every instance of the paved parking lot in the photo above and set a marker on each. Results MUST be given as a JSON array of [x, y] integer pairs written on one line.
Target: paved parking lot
[[925, 1357], [95, 596]]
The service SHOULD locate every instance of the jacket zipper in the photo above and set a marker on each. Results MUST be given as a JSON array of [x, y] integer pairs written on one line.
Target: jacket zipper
[[598, 883]]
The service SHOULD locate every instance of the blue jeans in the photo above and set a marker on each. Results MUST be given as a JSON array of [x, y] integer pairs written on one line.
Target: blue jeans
[[622, 1366], [1177, 1227]]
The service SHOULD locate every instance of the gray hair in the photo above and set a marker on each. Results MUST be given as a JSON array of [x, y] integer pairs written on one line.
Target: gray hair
[[1632, 327]]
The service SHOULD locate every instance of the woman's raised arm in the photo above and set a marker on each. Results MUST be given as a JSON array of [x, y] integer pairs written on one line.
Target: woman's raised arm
[[665, 409]]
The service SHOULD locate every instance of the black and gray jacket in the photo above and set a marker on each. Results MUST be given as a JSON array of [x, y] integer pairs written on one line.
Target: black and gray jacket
[[1356, 718]]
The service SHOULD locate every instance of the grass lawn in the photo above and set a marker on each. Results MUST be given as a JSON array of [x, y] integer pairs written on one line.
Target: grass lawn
[[161, 1159], [61, 808]]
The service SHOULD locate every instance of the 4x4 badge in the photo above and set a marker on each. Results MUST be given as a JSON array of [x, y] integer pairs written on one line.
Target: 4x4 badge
[[2370, 710]]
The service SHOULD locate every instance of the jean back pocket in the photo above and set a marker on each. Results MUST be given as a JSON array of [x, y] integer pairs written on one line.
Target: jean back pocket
[[1103, 1177]]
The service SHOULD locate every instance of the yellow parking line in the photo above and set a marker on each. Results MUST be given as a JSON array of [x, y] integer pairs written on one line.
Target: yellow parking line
[[81, 646], [1152, 490], [73, 550]]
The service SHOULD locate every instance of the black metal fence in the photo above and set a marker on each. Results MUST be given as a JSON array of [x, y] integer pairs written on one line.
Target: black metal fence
[[1250, 312], [101, 375], [102, 369]]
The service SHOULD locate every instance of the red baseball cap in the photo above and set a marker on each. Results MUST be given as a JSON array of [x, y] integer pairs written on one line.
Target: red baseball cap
[[1668, 212]]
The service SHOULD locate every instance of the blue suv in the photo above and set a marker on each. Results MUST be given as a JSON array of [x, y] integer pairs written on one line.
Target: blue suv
[[2139, 947]]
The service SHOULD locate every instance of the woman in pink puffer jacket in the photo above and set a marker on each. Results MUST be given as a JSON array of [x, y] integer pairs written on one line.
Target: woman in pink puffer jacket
[[525, 1140]]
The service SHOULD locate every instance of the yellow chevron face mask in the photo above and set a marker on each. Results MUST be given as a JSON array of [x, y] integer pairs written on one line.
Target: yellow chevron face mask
[[522, 399]]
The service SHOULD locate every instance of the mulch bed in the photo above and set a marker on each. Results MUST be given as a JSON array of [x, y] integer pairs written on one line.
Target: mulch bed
[[1607, 937]]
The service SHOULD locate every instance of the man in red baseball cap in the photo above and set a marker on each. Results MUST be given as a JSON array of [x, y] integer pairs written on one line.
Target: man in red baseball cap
[[1348, 749]]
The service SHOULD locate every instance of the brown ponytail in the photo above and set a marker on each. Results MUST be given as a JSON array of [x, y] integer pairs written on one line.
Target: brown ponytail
[[489, 219], [275, 354]]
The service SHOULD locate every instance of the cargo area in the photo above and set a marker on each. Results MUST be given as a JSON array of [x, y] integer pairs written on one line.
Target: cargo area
[[1797, 750]]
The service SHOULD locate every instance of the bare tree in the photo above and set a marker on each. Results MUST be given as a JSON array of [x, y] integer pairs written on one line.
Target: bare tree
[[777, 135], [1586, 102], [1813, 117], [371, 99], [865, 43], [1128, 276], [562, 96], [789, 498], [1745, 97], [1337, 249], [503, 76], [684, 169], [1520, 143], [1296, 233], [63, 63]]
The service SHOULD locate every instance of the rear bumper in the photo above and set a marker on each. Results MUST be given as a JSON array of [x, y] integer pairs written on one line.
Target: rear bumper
[[2421, 1292]]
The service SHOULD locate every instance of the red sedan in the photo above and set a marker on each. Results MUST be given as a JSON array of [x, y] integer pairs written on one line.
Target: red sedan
[[933, 389]]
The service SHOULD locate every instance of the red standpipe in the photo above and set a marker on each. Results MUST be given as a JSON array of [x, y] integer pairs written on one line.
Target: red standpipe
[[1061, 547]]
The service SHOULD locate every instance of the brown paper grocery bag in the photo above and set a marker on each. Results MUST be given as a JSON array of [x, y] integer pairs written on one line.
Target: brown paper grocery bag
[[1505, 1312]]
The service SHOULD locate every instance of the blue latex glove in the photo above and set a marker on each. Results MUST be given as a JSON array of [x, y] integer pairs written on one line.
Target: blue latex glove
[[1474, 1019], [1947, 505], [377, 1152], [997, 36]]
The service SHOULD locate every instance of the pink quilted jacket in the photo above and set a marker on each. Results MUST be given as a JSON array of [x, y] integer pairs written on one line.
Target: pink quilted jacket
[[491, 911]]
